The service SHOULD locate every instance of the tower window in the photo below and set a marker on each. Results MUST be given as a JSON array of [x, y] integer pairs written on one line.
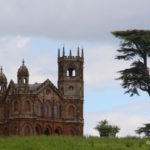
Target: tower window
[[25, 81], [71, 111], [71, 88], [71, 72]]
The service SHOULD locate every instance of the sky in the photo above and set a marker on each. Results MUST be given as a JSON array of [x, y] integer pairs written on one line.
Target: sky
[[35, 29]]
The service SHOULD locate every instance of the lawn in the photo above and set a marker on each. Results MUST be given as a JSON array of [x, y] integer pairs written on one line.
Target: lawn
[[73, 143]]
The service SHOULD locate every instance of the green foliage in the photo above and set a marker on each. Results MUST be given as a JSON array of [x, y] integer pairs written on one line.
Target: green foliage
[[145, 130], [134, 46], [135, 77], [106, 130], [72, 143]]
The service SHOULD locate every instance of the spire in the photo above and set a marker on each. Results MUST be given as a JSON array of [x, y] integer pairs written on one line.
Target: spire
[[23, 62], [70, 53], [78, 53], [58, 52], [1, 69], [63, 51], [82, 53], [3, 82]]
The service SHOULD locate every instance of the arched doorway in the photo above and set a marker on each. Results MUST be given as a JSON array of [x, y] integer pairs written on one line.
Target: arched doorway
[[72, 132], [38, 130], [27, 130], [1, 131], [6, 131], [15, 131], [47, 130], [58, 131]]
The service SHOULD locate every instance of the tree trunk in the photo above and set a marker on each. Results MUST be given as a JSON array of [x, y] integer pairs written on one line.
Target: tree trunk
[[145, 60]]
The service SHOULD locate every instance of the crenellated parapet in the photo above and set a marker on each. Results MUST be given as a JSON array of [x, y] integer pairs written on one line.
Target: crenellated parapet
[[70, 57]]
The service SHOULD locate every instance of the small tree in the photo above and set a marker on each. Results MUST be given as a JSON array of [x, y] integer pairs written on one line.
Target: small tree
[[145, 130], [114, 131], [106, 130]]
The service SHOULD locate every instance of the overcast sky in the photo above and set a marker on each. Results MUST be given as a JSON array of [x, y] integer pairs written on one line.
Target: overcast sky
[[81, 20], [34, 29]]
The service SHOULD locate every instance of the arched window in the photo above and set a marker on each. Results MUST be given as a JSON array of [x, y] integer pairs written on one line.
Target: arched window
[[57, 110], [38, 108], [74, 73], [25, 81], [4, 87], [71, 72], [71, 111], [27, 106], [48, 91], [16, 106], [47, 109]]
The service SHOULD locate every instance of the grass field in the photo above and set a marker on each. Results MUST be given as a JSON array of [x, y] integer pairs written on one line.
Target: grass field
[[72, 143]]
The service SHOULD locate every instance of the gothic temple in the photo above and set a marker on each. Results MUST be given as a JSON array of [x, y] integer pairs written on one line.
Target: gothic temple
[[42, 108]]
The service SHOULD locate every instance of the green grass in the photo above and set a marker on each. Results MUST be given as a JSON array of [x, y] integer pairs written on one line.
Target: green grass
[[72, 143]]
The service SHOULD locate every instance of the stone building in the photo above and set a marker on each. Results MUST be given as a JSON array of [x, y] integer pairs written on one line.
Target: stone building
[[42, 108]]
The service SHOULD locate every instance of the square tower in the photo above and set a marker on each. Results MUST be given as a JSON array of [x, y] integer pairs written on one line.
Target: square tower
[[70, 75]]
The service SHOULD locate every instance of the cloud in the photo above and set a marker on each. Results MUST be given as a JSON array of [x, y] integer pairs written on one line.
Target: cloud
[[127, 116], [128, 120], [136, 107], [11, 46], [41, 66], [84, 20], [101, 67], [44, 67], [12, 51]]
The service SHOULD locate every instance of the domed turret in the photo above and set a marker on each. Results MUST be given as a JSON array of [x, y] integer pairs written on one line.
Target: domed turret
[[23, 70], [3, 78], [23, 74], [3, 81]]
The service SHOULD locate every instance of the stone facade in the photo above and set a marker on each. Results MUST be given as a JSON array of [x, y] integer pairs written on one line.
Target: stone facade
[[41, 108]]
